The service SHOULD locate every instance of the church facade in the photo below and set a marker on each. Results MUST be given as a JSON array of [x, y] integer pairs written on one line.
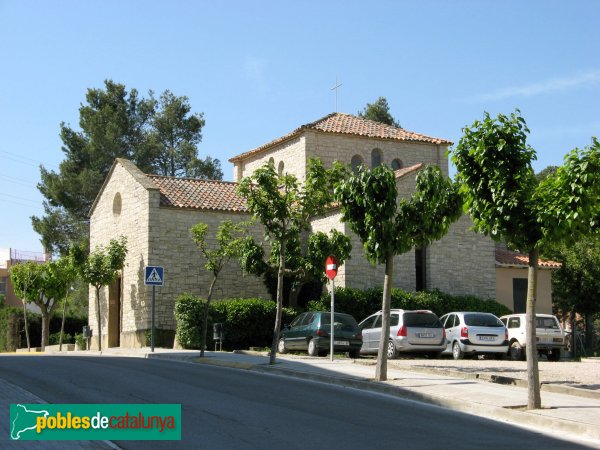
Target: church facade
[[155, 214]]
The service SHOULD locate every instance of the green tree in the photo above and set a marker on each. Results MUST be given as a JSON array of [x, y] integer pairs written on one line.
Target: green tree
[[284, 207], [229, 240], [177, 133], [304, 261], [100, 268], [388, 227], [576, 285], [379, 111], [23, 277], [507, 203], [114, 123], [44, 285]]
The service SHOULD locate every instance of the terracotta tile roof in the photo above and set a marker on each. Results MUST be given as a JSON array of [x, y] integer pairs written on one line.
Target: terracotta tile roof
[[339, 123], [509, 258], [405, 170], [199, 194], [215, 195]]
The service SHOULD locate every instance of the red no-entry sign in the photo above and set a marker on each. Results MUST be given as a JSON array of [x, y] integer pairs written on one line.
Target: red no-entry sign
[[331, 267]]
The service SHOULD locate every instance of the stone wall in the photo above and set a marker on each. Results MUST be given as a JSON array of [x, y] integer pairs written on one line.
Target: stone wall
[[109, 221], [462, 262], [291, 154], [158, 237], [335, 147], [330, 147]]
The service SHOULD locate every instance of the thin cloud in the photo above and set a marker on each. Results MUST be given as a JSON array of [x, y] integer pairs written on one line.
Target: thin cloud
[[543, 87]]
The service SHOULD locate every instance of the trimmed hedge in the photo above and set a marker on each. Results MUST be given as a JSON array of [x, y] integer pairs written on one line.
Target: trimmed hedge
[[246, 322], [361, 304]]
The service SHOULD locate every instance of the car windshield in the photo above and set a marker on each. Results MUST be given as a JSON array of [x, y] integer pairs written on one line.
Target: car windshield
[[339, 318], [546, 322], [418, 319], [482, 320]]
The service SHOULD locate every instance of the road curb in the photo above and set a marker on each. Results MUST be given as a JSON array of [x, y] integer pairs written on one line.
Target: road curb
[[527, 418], [478, 376]]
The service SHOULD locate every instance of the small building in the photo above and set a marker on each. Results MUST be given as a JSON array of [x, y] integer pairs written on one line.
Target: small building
[[511, 281], [155, 214]]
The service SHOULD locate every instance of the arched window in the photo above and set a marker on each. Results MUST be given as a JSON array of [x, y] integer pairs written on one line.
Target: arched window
[[396, 164], [117, 204], [280, 168], [376, 158], [356, 162], [271, 161]]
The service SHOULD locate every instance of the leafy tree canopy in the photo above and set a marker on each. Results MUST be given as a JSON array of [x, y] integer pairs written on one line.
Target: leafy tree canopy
[[379, 111], [159, 136], [507, 202]]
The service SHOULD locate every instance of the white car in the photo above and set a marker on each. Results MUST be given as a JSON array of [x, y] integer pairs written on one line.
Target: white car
[[474, 333], [549, 334]]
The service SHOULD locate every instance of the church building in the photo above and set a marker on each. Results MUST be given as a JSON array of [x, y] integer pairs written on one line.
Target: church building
[[155, 213]]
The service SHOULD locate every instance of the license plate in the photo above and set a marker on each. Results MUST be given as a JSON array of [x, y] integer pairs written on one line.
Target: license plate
[[425, 335], [486, 338], [341, 343]]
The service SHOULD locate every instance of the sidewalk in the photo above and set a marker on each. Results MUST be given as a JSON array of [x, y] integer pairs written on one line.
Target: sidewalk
[[561, 412]]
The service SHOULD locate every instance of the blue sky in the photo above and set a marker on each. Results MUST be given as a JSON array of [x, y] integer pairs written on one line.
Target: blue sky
[[260, 69]]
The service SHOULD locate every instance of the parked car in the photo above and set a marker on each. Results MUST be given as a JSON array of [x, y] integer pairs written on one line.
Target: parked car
[[410, 331], [550, 336], [474, 333], [310, 331]]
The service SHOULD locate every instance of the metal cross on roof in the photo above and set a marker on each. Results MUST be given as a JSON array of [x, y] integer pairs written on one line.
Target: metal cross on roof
[[337, 85]]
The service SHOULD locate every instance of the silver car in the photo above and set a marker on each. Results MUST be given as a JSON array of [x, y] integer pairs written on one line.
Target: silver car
[[410, 331], [474, 333]]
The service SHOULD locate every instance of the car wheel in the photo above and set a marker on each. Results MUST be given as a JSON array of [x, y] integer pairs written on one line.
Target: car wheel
[[516, 351], [554, 356], [457, 353], [391, 350], [354, 354], [313, 348], [281, 348]]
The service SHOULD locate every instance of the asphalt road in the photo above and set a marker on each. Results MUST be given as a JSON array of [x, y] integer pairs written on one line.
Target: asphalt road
[[226, 408]]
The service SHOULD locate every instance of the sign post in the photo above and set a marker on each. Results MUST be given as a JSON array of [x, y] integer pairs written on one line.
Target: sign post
[[154, 277], [331, 266]]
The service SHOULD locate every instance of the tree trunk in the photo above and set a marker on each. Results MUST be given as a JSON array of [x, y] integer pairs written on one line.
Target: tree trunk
[[62, 324], [99, 331], [45, 327], [381, 369], [206, 307], [534, 400], [589, 332], [280, 273], [26, 326]]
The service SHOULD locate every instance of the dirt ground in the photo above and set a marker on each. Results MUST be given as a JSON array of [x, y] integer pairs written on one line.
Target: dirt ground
[[584, 374]]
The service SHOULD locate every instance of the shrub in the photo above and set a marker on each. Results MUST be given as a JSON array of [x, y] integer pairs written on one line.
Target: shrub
[[189, 311], [361, 304], [54, 338], [246, 322], [80, 341]]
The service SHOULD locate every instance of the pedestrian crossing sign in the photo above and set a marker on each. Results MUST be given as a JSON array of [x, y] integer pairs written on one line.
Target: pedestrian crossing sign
[[154, 276]]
